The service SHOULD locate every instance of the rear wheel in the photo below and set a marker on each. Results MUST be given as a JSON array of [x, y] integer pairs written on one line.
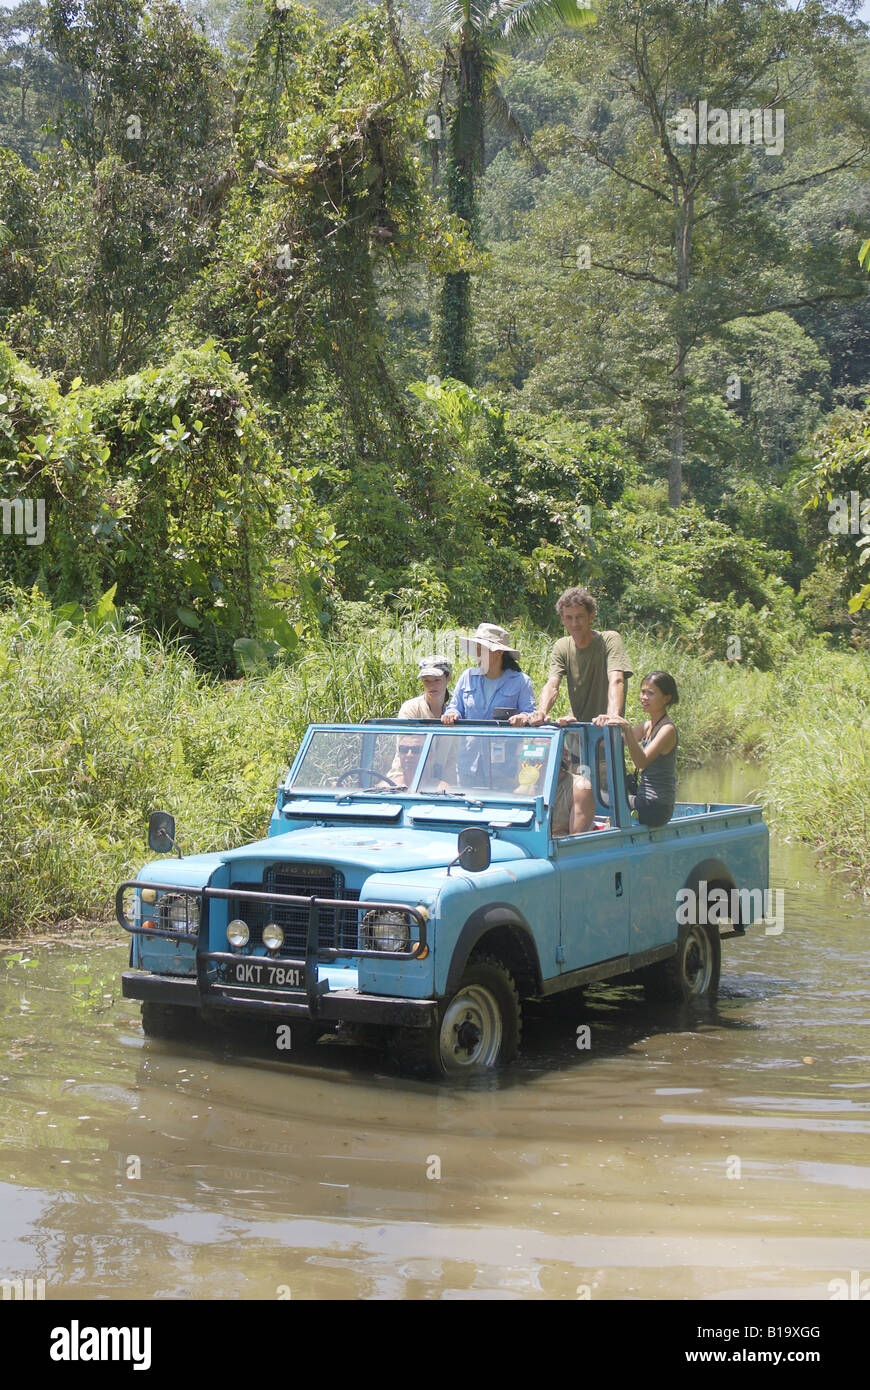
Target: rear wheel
[[478, 1028], [693, 973]]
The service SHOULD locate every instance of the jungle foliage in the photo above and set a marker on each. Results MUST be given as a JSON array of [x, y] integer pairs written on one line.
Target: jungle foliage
[[228, 236]]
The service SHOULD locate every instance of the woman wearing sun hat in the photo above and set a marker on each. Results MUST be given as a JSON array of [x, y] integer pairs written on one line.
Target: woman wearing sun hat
[[496, 682]]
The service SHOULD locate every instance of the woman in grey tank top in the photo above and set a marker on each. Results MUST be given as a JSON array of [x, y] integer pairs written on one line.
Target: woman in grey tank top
[[653, 749]]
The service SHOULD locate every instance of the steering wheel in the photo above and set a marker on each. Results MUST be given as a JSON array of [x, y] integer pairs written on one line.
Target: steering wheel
[[372, 772]]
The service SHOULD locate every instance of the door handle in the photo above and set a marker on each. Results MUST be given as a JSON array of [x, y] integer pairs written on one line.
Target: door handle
[[617, 883]]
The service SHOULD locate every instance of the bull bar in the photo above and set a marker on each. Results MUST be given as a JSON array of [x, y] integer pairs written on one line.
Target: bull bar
[[221, 996]]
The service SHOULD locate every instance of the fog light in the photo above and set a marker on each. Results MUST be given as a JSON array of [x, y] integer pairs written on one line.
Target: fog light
[[237, 933], [149, 895], [273, 936]]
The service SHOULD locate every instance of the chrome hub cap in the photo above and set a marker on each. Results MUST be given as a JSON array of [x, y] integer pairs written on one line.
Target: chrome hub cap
[[471, 1030]]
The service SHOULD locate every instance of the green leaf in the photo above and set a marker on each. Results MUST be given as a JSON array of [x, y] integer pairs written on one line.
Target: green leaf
[[251, 655], [188, 617], [70, 612], [104, 611], [275, 621]]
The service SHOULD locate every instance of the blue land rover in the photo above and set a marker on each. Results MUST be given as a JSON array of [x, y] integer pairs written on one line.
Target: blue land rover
[[428, 892]]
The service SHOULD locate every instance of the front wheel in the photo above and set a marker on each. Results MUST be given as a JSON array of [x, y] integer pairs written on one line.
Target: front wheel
[[693, 973], [479, 1027]]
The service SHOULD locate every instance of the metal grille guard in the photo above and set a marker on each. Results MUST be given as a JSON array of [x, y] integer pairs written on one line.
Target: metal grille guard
[[313, 950], [313, 904]]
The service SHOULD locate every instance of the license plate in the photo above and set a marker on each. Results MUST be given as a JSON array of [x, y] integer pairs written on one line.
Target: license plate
[[267, 973]]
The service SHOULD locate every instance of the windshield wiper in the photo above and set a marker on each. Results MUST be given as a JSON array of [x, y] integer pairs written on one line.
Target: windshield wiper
[[460, 796], [370, 791]]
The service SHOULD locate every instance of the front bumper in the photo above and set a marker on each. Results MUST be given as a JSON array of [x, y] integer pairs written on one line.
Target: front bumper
[[316, 1001], [334, 1005]]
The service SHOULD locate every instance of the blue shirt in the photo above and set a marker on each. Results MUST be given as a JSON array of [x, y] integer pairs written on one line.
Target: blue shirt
[[475, 696]]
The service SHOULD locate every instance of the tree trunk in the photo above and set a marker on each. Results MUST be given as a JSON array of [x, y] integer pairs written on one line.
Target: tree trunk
[[682, 348], [464, 163], [675, 462]]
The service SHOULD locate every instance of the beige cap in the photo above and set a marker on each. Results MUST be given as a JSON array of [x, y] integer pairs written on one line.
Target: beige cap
[[434, 666], [497, 639]]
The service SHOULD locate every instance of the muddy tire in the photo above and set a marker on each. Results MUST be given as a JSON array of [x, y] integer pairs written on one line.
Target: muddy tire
[[691, 974], [479, 1027], [166, 1021]]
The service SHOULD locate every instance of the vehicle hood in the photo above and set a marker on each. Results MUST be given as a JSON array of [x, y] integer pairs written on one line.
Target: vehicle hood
[[387, 850]]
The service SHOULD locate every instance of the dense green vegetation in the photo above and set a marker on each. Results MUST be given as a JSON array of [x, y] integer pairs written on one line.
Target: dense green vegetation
[[317, 319], [105, 725]]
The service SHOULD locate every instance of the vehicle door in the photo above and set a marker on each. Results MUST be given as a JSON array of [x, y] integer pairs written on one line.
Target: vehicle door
[[593, 868]]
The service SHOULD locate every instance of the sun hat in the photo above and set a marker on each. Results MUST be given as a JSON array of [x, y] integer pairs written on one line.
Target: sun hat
[[433, 666], [496, 639]]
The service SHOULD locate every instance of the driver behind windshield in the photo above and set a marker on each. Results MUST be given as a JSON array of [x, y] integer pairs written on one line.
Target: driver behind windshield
[[408, 751]]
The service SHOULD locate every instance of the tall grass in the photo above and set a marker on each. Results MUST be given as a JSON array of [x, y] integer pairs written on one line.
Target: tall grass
[[819, 757], [97, 731]]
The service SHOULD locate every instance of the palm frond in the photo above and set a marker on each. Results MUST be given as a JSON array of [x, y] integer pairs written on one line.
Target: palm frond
[[532, 19], [453, 16], [502, 116]]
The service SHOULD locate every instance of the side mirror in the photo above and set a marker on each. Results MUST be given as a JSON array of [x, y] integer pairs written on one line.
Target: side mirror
[[161, 832], [475, 852]]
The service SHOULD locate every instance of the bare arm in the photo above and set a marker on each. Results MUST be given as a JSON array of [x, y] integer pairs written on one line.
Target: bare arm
[[548, 698], [616, 692], [641, 757]]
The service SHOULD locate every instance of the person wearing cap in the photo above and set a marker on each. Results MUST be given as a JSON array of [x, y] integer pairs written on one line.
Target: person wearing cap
[[496, 682], [434, 673]]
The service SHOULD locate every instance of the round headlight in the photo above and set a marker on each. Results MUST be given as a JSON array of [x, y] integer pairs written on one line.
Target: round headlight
[[237, 933], [386, 931], [178, 912], [273, 936], [149, 895]]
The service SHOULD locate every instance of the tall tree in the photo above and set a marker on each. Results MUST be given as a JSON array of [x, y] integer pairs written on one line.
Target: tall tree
[[477, 39], [139, 111], [667, 228], [709, 89]]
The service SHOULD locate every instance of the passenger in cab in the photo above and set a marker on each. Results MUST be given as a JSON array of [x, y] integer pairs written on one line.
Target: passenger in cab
[[495, 683], [408, 749], [653, 749], [574, 802]]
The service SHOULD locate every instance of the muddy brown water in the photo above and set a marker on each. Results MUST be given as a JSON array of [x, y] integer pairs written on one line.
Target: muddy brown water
[[718, 1153]]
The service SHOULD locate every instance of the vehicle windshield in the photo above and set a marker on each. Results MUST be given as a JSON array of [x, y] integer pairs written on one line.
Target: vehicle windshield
[[363, 760]]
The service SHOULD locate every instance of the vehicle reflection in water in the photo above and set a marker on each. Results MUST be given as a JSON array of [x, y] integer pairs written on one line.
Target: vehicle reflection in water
[[713, 1152]]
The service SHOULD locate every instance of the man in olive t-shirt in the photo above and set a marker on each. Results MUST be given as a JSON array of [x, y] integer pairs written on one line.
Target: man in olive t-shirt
[[594, 664]]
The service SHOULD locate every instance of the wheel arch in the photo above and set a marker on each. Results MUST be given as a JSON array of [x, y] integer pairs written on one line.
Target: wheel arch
[[498, 930], [714, 872]]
